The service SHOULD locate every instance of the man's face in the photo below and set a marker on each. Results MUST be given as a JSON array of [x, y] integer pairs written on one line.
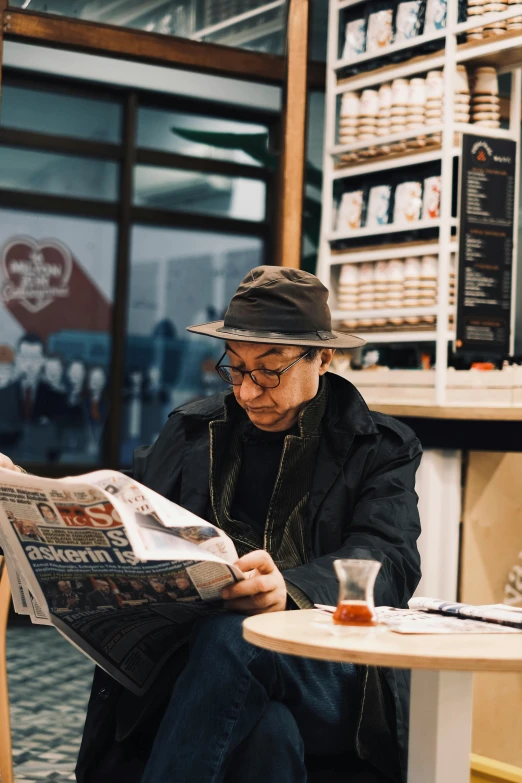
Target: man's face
[[6, 374], [97, 381], [48, 513], [182, 583], [275, 410], [76, 374], [158, 587], [29, 360], [104, 587], [53, 372], [64, 587]]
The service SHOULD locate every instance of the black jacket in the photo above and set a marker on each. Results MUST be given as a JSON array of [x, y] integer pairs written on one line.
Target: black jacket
[[362, 505]]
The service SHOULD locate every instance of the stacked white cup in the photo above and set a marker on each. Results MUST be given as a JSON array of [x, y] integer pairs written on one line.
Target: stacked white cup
[[366, 291], [412, 274], [416, 117], [384, 114], [485, 100], [348, 288], [399, 111], [428, 285]]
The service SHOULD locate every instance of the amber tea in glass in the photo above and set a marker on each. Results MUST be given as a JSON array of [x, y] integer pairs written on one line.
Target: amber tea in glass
[[356, 605]]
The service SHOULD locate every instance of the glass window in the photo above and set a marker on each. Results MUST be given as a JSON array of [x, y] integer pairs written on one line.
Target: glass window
[[249, 24], [57, 290], [177, 278], [60, 114], [203, 137], [313, 179], [59, 175], [318, 30], [190, 191]]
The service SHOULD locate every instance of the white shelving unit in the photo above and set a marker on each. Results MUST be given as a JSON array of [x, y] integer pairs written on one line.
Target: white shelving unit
[[502, 51]]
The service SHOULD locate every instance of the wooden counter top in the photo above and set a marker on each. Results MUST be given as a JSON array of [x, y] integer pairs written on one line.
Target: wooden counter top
[[450, 412]]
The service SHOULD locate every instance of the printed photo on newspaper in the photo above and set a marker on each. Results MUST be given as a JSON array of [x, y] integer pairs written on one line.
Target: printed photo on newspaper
[[119, 570]]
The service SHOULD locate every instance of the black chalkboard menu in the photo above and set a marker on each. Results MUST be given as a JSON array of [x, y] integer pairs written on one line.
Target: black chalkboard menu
[[486, 209]]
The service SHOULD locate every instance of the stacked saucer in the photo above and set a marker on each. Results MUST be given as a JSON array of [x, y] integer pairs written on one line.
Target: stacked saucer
[[475, 12], [380, 295], [399, 111], [395, 287], [381, 284], [367, 122], [412, 274], [485, 103], [428, 285], [516, 22], [366, 291], [348, 122], [452, 279], [434, 97], [348, 288], [416, 117], [462, 95], [384, 114], [494, 28]]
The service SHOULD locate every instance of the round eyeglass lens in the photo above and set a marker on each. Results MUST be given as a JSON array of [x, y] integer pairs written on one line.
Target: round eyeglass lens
[[265, 378]]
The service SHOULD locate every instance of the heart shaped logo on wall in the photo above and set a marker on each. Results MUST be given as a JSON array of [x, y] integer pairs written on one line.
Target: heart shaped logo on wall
[[35, 272]]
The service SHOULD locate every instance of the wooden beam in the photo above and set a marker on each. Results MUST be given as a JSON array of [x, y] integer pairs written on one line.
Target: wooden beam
[[6, 754], [294, 138], [80, 35], [112, 445]]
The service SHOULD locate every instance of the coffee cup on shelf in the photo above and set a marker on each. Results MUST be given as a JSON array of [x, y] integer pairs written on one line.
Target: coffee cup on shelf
[[350, 104], [400, 92], [485, 81], [369, 103], [385, 97], [487, 123], [417, 92], [349, 275], [461, 80]]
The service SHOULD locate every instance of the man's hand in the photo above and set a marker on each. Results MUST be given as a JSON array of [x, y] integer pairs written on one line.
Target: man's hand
[[263, 590], [8, 464]]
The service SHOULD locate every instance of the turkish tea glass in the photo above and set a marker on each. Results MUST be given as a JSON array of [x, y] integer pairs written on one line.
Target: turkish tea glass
[[356, 605]]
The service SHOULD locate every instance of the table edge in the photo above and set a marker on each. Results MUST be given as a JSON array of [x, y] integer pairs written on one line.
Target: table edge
[[379, 658]]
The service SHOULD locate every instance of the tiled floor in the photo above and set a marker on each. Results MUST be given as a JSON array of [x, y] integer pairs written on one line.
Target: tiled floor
[[49, 683]]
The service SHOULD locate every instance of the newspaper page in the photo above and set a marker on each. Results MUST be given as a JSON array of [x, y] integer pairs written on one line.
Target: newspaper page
[[509, 616], [419, 621], [116, 568]]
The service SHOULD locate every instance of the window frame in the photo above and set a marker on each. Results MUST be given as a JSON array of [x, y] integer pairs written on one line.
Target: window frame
[[124, 214]]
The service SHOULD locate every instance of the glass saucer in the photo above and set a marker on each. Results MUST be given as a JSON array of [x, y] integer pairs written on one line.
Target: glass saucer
[[327, 624]]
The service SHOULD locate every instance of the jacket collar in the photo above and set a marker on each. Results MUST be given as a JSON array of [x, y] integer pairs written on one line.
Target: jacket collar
[[346, 417], [345, 410]]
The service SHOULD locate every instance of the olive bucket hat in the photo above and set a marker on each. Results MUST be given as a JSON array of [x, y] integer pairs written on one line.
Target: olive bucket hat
[[279, 305]]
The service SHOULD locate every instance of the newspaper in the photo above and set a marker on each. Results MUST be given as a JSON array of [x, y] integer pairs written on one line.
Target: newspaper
[[419, 619], [119, 570], [498, 614]]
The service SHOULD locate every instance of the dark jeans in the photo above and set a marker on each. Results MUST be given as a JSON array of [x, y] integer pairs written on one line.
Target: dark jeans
[[239, 713]]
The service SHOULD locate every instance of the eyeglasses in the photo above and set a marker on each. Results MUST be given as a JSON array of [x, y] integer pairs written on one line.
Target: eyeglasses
[[267, 379]]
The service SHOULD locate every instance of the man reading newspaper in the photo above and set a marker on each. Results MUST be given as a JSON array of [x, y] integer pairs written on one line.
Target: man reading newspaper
[[292, 465]]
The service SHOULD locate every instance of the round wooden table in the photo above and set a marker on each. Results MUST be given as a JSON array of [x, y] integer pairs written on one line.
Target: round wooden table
[[442, 678]]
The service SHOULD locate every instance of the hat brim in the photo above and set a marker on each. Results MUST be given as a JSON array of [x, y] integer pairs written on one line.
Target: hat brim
[[217, 329]]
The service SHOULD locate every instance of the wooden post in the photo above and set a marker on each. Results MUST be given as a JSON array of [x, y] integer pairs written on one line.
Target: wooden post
[[6, 756], [293, 152]]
